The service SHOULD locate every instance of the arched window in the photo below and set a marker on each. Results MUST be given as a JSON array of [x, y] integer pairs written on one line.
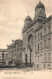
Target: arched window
[[41, 35], [30, 41], [38, 46], [35, 38]]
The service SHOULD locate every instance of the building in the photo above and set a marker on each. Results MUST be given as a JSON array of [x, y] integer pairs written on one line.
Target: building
[[37, 39], [14, 52], [2, 57]]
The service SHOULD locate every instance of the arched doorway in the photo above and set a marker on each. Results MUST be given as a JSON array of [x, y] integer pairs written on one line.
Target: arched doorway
[[30, 46], [26, 59]]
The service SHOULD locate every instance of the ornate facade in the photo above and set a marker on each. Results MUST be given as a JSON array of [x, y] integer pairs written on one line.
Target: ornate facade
[[14, 52], [3, 57], [37, 39]]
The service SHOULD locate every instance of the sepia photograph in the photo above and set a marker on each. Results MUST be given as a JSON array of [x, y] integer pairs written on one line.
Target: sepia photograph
[[25, 39]]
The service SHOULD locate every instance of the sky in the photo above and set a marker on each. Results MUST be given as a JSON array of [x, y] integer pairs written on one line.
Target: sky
[[12, 16]]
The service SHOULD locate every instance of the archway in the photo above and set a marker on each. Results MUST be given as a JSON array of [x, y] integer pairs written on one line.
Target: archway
[[26, 59], [30, 46]]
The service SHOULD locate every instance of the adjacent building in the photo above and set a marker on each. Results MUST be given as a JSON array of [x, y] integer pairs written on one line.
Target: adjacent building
[[14, 52], [2, 57], [37, 39]]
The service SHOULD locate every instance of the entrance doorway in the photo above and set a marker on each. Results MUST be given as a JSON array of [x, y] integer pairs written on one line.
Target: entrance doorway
[[26, 59], [30, 56]]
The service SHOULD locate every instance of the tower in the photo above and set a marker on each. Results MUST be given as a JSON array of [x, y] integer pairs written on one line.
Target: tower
[[40, 11], [27, 21]]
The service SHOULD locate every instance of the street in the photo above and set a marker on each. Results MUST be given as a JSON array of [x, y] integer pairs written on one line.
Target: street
[[24, 73]]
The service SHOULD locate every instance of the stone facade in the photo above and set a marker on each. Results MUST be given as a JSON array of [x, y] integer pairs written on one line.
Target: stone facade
[[2, 57], [14, 52], [37, 39]]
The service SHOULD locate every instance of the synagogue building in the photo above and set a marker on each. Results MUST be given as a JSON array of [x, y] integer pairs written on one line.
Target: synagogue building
[[37, 39]]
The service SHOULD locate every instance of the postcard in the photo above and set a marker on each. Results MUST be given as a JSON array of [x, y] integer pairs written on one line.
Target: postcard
[[25, 39]]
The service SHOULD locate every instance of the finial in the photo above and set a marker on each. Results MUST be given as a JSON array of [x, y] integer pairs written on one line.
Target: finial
[[39, 0], [28, 13]]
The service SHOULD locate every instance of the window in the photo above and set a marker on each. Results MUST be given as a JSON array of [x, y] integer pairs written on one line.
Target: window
[[37, 65], [41, 35], [49, 57], [38, 58], [45, 31], [14, 46], [31, 41], [38, 46], [49, 38], [49, 41], [48, 65], [2, 54], [41, 55], [0, 60], [44, 66], [35, 38], [38, 37], [35, 47], [45, 43], [45, 57]]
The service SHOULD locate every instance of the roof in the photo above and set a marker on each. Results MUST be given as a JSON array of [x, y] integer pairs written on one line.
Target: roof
[[47, 19], [15, 42], [2, 50], [40, 5], [28, 18]]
